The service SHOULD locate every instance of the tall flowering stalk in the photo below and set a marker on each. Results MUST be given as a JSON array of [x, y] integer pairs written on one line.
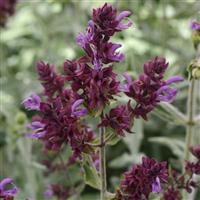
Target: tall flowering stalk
[[193, 70], [86, 88]]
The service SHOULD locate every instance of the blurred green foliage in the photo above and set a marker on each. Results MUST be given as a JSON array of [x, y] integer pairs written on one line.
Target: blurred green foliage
[[46, 30]]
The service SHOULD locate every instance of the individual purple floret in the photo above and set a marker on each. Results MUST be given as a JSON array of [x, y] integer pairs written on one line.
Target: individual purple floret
[[32, 102], [76, 110], [38, 128], [7, 194], [156, 186], [195, 26]]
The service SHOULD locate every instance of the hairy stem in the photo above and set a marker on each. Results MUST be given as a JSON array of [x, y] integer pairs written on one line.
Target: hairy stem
[[191, 114], [102, 156], [191, 106]]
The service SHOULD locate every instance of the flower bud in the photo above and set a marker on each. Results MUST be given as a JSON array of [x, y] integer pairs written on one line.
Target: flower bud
[[194, 70]]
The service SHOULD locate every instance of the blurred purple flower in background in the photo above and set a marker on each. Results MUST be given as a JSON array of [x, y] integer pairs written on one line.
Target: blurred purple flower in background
[[7, 194], [7, 8], [195, 26], [60, 191]]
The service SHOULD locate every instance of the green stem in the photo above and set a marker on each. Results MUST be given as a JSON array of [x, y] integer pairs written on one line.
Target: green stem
[[191, 114], [102, 155], [191, 106]]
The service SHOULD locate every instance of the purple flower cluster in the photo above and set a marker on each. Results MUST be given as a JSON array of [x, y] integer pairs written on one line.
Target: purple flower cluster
[[95, 84], [194, 167], [7, 194], [92, 86], [59, 121], [7, 8], [105, 23], [172, 194], [96, 87], [150, 88], [154, 177], [176, 184], [143, 179], [185, 181], [120, 119]]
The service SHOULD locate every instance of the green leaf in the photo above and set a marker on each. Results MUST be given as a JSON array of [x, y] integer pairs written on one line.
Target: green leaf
[[91, 175], [111, 138], [176, 145], [133, 141], [154, 196], [110, 196], [125, 159]]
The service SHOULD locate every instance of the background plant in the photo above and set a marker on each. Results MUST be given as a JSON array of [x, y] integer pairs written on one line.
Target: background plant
[[22, 44]]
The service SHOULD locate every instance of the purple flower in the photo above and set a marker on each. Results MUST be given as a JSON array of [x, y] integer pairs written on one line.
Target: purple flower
[[60, 124], [7, 193], [38, 128], [174, 79], [108, 21], [96, 87], [196, 151], [150, 88], [194, 167], [90, 84], [120, 119], [156, 186], [51, 81], [195, 25], [165, 93], [108, 53], [172, 194], [95, 41], [32, 102], [95, 160], [100, 88], [48, 193], [143, 179], [78, 73], [155, 68], [83, 39], [76, 110]]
